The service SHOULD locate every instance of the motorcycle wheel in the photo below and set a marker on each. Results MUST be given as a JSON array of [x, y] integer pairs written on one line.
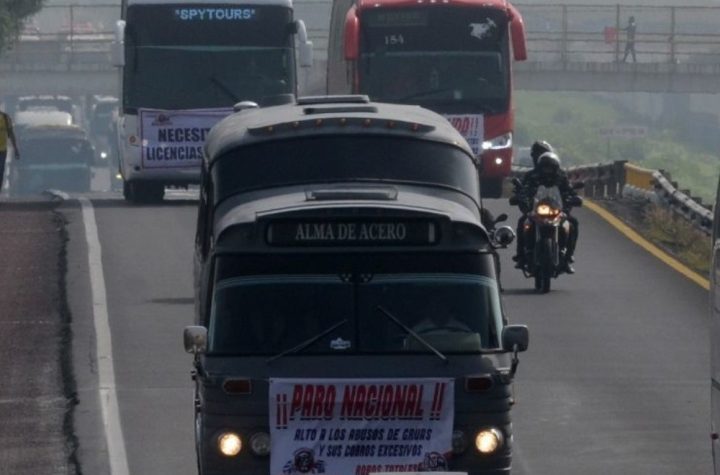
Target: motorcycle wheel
[[545, 269]]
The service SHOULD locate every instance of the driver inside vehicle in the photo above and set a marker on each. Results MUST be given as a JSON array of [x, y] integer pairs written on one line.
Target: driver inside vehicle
[[440, 320]]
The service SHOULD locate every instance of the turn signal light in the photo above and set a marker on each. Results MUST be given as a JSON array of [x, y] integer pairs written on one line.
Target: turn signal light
[[477, 384], [237, 386]]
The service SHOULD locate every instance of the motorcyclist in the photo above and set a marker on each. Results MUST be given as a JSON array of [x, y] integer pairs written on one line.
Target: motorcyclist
[[547, 172]]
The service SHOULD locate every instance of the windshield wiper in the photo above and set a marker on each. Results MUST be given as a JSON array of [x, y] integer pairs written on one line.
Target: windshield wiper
[[223, 87], [429, 92], [305, 344], [411, 332]]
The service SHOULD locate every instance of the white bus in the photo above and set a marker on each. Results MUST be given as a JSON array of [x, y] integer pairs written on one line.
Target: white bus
[[715, 334], [183, 64]]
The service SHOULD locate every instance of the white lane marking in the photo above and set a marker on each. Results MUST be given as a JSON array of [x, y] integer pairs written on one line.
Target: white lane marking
[[58, 194], [106, 369]]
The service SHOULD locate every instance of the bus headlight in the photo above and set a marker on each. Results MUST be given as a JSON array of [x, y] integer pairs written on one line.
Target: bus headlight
[[260, 444], [498, 143], [488, 441], [229, 444], [459, 442]]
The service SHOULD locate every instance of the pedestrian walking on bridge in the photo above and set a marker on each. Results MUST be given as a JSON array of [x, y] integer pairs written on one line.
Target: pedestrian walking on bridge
[[6, 134], [630, 42]]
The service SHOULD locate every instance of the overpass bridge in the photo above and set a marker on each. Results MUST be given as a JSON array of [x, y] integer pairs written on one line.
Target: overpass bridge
[[571, 48]]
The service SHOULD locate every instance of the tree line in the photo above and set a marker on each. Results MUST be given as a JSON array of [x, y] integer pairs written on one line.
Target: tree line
[[12, 14]]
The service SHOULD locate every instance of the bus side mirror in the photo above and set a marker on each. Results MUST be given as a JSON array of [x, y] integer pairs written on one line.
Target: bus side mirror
[[195, 339], [351, 36], [515, 335], [305, 46], [504, 236], [117, 49], [517, 35]]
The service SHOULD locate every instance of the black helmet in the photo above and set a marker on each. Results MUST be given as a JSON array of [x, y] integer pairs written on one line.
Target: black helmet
[[538, 148], [548, 164]]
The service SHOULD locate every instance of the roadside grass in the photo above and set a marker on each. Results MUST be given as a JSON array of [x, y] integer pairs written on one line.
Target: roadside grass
[[571, 122], [676, 235]]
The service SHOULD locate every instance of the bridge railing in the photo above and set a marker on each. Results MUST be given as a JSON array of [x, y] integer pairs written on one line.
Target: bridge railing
[[64, 37], [597, 33]]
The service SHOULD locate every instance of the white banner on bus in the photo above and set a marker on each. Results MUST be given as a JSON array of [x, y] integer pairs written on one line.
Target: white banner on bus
[[470, 126], [175, 139], [359, 426]]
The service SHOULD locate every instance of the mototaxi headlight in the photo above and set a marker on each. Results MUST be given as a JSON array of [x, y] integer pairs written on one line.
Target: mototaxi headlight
[[260, 444], [488, 441], [103, 155], [498, 143], [229, 444], [546, 210]]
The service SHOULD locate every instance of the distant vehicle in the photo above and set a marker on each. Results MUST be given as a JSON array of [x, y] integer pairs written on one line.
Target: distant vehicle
[[451, 57], [45, 102], [102, 118], [41, 117], [102, 115], [347, 305], [184, 64], [53, 157], [715, 335]]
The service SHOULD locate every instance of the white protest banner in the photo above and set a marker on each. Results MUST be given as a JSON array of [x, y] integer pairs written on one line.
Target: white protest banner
[[360, 426], [470, 126], [174, 139]]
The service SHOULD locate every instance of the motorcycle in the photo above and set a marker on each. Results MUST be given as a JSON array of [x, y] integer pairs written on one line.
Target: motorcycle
[[546, 232]]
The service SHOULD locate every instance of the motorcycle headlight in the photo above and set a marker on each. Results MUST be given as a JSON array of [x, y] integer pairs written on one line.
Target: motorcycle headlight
[[498, 143], [546, 210]]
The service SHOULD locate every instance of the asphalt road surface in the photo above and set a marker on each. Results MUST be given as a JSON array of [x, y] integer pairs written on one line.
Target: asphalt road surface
[[615, 381]]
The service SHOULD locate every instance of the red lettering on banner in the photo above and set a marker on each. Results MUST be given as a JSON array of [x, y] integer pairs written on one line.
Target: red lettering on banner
[[313, 402], [387, 402]]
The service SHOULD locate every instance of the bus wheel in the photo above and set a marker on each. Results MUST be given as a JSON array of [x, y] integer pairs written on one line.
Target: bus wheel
[[128, 190], [143, 192], [491, 188]]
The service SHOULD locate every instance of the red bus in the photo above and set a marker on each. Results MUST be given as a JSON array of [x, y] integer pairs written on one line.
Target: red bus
[[450, 56]]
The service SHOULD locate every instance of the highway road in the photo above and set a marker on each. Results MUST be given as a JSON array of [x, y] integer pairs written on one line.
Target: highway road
[[615, 381]]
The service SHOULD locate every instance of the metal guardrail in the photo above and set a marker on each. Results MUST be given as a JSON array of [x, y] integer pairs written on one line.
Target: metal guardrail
[[621, 179]]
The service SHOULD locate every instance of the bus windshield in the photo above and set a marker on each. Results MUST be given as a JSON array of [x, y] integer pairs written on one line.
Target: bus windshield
[[454, 313], [455, 60], [206, 56], [267, 304]]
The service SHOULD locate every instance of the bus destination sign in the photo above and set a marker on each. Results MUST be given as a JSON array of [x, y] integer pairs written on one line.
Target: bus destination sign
[[352, 233], [200, 14]]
